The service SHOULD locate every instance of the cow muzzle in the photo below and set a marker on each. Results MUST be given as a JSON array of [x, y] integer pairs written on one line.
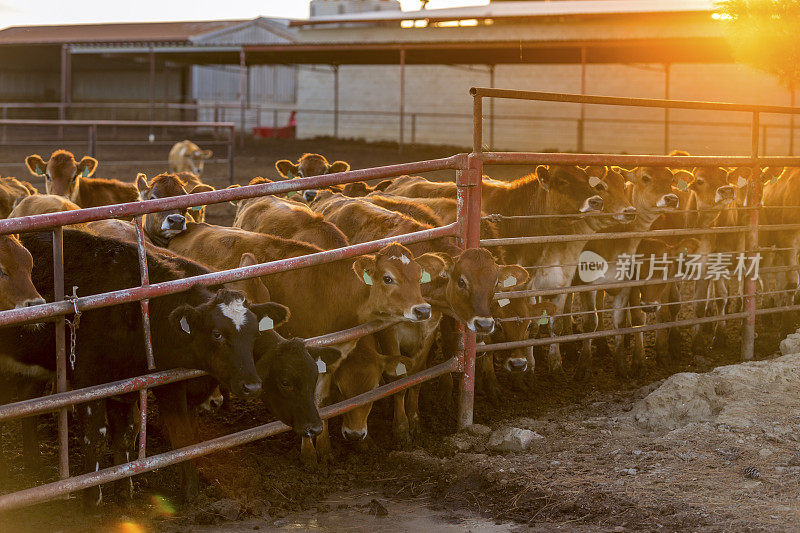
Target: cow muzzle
[[593, 203], [354, 435], [483, 325], [668, 200], [30, 303], [310, 431], [626, 215], [516, 364], [724, 194], [174, 223], [419, 312], [248, 389]]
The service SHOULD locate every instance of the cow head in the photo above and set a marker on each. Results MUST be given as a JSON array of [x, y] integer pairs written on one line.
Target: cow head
[[610, 185], [361, 372], [164, 225], [12, 191], [516, 320], [16, 264], [220, 335], [309, 165], [652, 188], [710, 187], [192, 158], [473, 277], [62, 174], [393, 279], [288, 371], [568, 190]]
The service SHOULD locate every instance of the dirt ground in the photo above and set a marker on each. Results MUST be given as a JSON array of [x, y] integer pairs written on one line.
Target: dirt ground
[[603, 463]]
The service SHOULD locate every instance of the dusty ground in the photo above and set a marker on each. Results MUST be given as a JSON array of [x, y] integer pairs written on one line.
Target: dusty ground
[[597, 467]]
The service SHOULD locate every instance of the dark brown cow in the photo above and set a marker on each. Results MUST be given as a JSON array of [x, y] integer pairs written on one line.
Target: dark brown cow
[[12, 191], [309, 165], [71, 179]]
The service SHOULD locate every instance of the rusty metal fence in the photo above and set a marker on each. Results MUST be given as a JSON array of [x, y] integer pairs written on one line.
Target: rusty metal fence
[[468, 177]]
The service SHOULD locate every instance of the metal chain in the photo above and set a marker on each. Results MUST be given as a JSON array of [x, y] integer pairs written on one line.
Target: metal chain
[[73, 324]]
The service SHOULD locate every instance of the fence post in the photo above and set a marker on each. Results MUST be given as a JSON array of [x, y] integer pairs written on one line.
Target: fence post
[[148, 344], [231, 142], [754, 187], [93, 140], [413, 128], [61, 352]]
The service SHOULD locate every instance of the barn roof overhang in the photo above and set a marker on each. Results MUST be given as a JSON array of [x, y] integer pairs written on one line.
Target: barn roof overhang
[[652, 50]]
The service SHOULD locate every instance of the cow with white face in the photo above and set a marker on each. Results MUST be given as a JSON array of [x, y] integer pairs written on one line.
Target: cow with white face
[[186, 156]]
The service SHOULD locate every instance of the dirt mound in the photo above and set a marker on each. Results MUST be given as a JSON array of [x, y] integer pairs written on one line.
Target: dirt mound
[[738, 396]]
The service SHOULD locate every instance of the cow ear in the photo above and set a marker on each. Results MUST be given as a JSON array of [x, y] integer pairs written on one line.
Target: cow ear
[[598, 171], [512, 276], [184, 319], [338, 166], [382, 185], [364, 268], [397, 366], [206, 154], [434, 265], [328, 355], [141, 185], [545, 178], [35, 165], [309, 195], [270, 315], [286, 168], [87, 166], [627, 175]]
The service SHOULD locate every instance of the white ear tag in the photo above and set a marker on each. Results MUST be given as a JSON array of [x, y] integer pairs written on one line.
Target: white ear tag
[[504, 302], [741, 182], [185, 325], [265, 323], [594, 181], [510, 281], [321, 366], [400, 369], [426, 278], [367, 278]]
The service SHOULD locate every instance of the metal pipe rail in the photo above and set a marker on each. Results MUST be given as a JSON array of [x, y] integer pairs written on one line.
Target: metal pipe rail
[[63, 398]]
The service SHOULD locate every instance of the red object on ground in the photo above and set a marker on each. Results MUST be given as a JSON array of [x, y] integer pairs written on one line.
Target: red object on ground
[[284, 132]]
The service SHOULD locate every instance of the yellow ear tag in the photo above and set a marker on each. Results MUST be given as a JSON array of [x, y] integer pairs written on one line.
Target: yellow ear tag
[[426, 278], [265, 324], [543, 320], [682, 185], [367, 278]]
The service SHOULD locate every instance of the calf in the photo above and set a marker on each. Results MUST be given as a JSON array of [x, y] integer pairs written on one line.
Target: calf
[[71, 179], [40, 204], [167, 223], [288, 219], [649, 190], [309, 165], [208, 330], [12, 191], [186, 156]]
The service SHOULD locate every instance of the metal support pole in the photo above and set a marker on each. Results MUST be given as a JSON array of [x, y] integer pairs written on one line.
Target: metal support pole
[[92, 148], [402, 98], [753, 201], [581, 120], [66, 96], [413, 128], [242, 91], [148, 344], [336, 101], [152, 56], [61, 352], [231, 143], [491, 109], [666, 109]]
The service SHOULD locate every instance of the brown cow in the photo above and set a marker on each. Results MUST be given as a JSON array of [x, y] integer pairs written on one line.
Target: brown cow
[[186, 156], [12, 191], [162, 226], [287, 219], [649, 190], [192, 185], [71, 179], [309, 165], [40, 204], [16, 265]]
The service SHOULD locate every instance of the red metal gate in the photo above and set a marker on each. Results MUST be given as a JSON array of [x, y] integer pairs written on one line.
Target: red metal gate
[[468, 178]]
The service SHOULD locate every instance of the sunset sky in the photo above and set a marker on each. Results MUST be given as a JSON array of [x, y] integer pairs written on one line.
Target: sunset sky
[[17, 12]]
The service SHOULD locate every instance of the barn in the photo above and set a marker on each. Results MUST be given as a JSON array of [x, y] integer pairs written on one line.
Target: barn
[[364, 69]]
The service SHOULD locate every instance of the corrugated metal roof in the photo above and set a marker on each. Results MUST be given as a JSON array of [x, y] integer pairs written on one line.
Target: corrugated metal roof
[[501, 10], [113, 33]]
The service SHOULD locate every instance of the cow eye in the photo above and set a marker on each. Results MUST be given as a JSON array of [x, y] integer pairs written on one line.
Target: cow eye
[[387, 279], [2, 273], [699, 181], [645, 178], [462, 283], [47, 177], [217, 335], [285, 383]]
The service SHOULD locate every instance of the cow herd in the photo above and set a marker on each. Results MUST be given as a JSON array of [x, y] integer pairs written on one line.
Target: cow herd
[[249, 335]]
